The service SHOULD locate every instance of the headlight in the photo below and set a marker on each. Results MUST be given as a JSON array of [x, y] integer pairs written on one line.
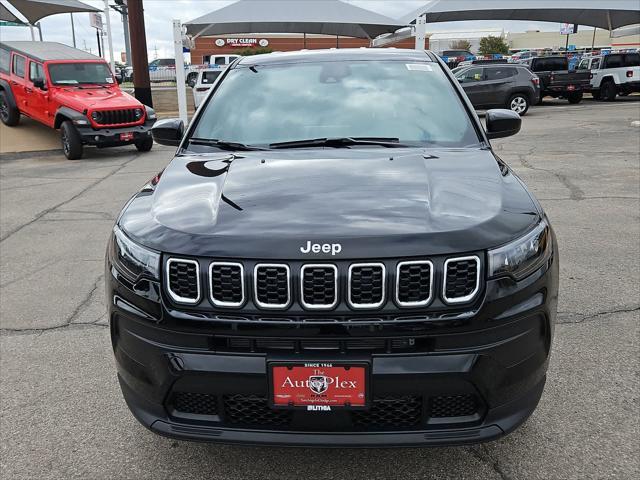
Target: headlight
[[96, 116], [523, 256], [138, 113], [131, 259]]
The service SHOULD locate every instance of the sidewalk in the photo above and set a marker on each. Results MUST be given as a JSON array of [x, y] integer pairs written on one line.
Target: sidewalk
[[28, 136]]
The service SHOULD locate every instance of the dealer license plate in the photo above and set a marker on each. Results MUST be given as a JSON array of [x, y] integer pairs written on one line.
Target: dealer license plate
[[125, 137], [320, 386]]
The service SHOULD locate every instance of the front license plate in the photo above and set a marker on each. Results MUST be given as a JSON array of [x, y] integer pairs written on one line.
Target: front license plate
[[125, 137], [319, 386]]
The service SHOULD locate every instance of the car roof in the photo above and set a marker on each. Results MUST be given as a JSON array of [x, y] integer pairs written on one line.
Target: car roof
[[345, 54], [45, 51]]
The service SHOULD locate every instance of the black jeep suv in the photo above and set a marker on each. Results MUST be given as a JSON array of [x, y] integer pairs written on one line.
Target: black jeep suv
[[335, 256]]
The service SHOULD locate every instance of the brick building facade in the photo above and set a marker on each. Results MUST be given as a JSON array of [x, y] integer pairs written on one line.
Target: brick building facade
[[233, 44]]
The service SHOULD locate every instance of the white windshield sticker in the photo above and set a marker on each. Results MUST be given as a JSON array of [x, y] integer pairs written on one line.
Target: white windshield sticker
[[109, 80], [420, 67]]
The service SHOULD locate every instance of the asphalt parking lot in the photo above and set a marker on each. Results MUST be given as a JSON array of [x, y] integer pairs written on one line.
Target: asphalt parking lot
[[62, 414]]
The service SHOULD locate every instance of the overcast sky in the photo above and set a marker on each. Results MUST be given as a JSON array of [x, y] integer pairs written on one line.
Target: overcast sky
[[159, 14]]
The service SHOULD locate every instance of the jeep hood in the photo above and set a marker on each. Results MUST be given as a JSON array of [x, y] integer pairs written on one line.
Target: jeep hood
[[375, 202], [89, 98]]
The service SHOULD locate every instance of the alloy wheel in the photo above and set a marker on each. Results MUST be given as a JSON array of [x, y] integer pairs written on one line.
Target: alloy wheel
[[518, 105]]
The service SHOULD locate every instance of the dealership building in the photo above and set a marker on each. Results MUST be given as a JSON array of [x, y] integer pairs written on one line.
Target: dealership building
[[205, 47]]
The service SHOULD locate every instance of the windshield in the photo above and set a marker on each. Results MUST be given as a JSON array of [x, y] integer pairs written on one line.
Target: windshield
[[80, 73], [414, 103]]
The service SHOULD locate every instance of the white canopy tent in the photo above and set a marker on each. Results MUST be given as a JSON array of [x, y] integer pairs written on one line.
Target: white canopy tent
[[34, 10], [327, 17], [609, 14]]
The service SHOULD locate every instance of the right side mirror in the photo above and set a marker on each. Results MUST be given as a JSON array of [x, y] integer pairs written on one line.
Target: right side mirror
[[168, 132], [502, 123]]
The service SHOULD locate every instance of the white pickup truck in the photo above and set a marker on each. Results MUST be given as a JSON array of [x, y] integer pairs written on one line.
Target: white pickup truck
[[613, 74]]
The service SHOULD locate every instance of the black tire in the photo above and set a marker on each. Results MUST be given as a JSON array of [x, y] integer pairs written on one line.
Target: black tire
[[519, 103], [596, 94], [608, 91], [575, 97], [9, 115], [71, 141], [144, 145]]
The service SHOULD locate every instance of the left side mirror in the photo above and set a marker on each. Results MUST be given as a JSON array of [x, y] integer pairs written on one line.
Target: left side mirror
[[39, 83], [502, 123], [168, 132]]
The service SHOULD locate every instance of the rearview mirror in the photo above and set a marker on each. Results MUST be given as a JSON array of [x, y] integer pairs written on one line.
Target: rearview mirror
[[502, 123], [39, 83], [168, 132]]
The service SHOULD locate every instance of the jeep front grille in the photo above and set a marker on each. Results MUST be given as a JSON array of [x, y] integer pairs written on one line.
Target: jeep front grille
[[461, 279], [307, 289], [116, 117], [183, 280], [272, 285]]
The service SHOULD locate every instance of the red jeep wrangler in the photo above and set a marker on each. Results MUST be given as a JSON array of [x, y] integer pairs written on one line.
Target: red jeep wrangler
[[73, 91]]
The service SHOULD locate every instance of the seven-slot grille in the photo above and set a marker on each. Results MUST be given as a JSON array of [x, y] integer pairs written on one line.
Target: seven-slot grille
[[319, 286], [183, 280], [366, 285], [461, 279], [272, 285], [414, 283], [116, 117]]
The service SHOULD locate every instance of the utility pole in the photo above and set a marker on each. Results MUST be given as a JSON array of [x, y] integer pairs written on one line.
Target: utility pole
[[73, 31], [139, 59], [121, 8]]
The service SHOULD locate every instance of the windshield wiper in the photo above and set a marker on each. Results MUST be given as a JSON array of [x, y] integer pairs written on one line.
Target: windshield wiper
[[222, 144], [339, 142]]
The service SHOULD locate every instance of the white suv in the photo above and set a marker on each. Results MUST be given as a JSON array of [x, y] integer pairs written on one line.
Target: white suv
[[613, 74]]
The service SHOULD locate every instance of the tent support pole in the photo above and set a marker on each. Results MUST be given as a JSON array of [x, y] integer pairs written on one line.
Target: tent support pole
[[33, 35], [180, 80], [73, 31], [593, 40], [420, 31], [109, 36]]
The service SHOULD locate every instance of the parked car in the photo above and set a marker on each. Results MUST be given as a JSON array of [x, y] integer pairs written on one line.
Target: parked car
[[523, 55], [500, 86], [557, 80], [73, 91], [335, 257], [203, 83], [613, 74], [453, 57]]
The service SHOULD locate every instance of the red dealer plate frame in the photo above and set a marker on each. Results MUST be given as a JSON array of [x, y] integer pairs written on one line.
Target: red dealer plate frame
[[296, 394]]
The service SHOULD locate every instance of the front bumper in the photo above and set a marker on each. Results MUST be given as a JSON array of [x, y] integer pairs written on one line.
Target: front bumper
[[111, 137], [180, 380]]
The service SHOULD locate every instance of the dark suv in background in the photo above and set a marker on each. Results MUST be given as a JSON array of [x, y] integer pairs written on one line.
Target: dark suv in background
[[500, 86]]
